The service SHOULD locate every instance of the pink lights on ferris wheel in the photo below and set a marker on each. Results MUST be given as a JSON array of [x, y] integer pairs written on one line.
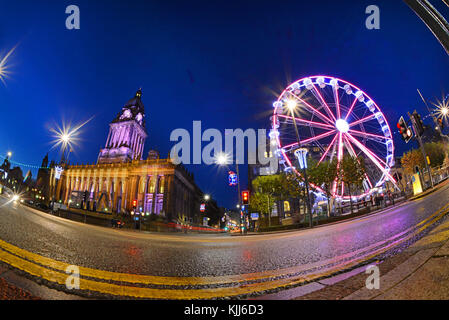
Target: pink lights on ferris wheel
[[337, 118]]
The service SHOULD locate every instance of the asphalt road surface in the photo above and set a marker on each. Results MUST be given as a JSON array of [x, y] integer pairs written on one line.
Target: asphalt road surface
[[196, 255]]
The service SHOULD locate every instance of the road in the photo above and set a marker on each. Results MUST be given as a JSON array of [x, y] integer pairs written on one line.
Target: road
[[216, 259]]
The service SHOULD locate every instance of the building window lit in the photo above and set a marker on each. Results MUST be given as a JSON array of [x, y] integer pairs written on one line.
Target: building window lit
[[286, 206], [161, 184], [152, 184]]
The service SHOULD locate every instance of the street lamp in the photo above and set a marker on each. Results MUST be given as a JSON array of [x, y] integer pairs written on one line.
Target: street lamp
[[206, 197], [9, 154], [301, 156]]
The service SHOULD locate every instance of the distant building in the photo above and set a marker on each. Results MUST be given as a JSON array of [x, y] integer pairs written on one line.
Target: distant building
[[42, 185]]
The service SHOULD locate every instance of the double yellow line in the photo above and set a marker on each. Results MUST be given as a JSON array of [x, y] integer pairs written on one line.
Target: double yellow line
[[123, 284]]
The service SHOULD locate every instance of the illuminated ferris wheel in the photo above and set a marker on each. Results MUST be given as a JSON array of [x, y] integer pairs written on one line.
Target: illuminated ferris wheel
[[333, 118]]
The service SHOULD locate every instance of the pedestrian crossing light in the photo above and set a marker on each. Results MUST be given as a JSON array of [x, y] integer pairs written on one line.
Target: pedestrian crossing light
[[245, 197]]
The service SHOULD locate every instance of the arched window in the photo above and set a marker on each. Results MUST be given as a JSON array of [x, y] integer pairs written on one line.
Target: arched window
[[152, 184], [159, 205], [161, 184]]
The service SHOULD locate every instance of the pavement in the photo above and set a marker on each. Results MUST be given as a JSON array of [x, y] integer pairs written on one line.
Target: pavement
[[420, 272]]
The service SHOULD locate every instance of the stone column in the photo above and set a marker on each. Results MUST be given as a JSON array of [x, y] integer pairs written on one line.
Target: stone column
[[155, 197], [115, 192], [168, 196], [145, 194]]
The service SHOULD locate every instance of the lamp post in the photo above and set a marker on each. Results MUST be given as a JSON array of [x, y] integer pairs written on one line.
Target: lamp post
[[64, 139], [301, 155]]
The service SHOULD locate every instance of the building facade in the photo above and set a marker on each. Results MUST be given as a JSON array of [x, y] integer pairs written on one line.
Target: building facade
[[122, 181]]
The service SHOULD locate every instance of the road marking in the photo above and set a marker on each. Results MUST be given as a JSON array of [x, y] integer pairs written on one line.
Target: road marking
[[39, 266]]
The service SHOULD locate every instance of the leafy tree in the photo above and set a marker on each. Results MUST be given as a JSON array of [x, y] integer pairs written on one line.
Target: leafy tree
[[411, 159], [293, 187], [270, 187], [436, 152], [352, 173], [323, 174], [260, 202]]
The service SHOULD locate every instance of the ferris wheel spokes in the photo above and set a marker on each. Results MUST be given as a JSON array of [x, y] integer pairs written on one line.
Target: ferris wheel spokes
[[352, 107], [327, 150], [323, 103], [354, 155], [306, 141], [372, 156], [308, 105], [310, 123], [368, 135], [367, 118]]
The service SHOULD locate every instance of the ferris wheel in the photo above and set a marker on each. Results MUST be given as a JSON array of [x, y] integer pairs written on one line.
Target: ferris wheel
[[333, 118]]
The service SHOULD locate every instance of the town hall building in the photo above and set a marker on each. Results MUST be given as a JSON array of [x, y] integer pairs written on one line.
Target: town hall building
[[123, 181]]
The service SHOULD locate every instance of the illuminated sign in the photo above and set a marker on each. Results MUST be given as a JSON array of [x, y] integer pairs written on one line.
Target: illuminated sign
[[417, 188], [254, 216], [203, 207], [233, 180]]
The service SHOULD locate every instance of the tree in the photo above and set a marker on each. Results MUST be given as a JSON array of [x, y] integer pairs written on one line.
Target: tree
[[436, 151], [270, 187], [323, 174], [411, 160], [293, 186], [352, 173], [260, 202]]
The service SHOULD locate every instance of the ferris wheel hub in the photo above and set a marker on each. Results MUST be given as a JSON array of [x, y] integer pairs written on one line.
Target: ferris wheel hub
[[342, 125]]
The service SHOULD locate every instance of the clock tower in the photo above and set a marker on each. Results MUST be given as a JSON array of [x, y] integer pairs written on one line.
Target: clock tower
[[127, 134]]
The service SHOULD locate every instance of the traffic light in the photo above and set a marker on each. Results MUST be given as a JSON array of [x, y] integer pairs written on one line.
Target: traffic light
[[245, 197], [85, 195], [404, 130], [134, 204], [419, 126], [441, 123]]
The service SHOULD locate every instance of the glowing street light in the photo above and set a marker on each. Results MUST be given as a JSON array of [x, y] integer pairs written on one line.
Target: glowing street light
[[67, 136], [9, 154], [4, 72], [206, 197], [441, 111], [221, 158]]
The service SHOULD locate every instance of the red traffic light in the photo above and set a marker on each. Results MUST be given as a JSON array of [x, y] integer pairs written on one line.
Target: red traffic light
[[404, 130], [134, 203], [245, 197]]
